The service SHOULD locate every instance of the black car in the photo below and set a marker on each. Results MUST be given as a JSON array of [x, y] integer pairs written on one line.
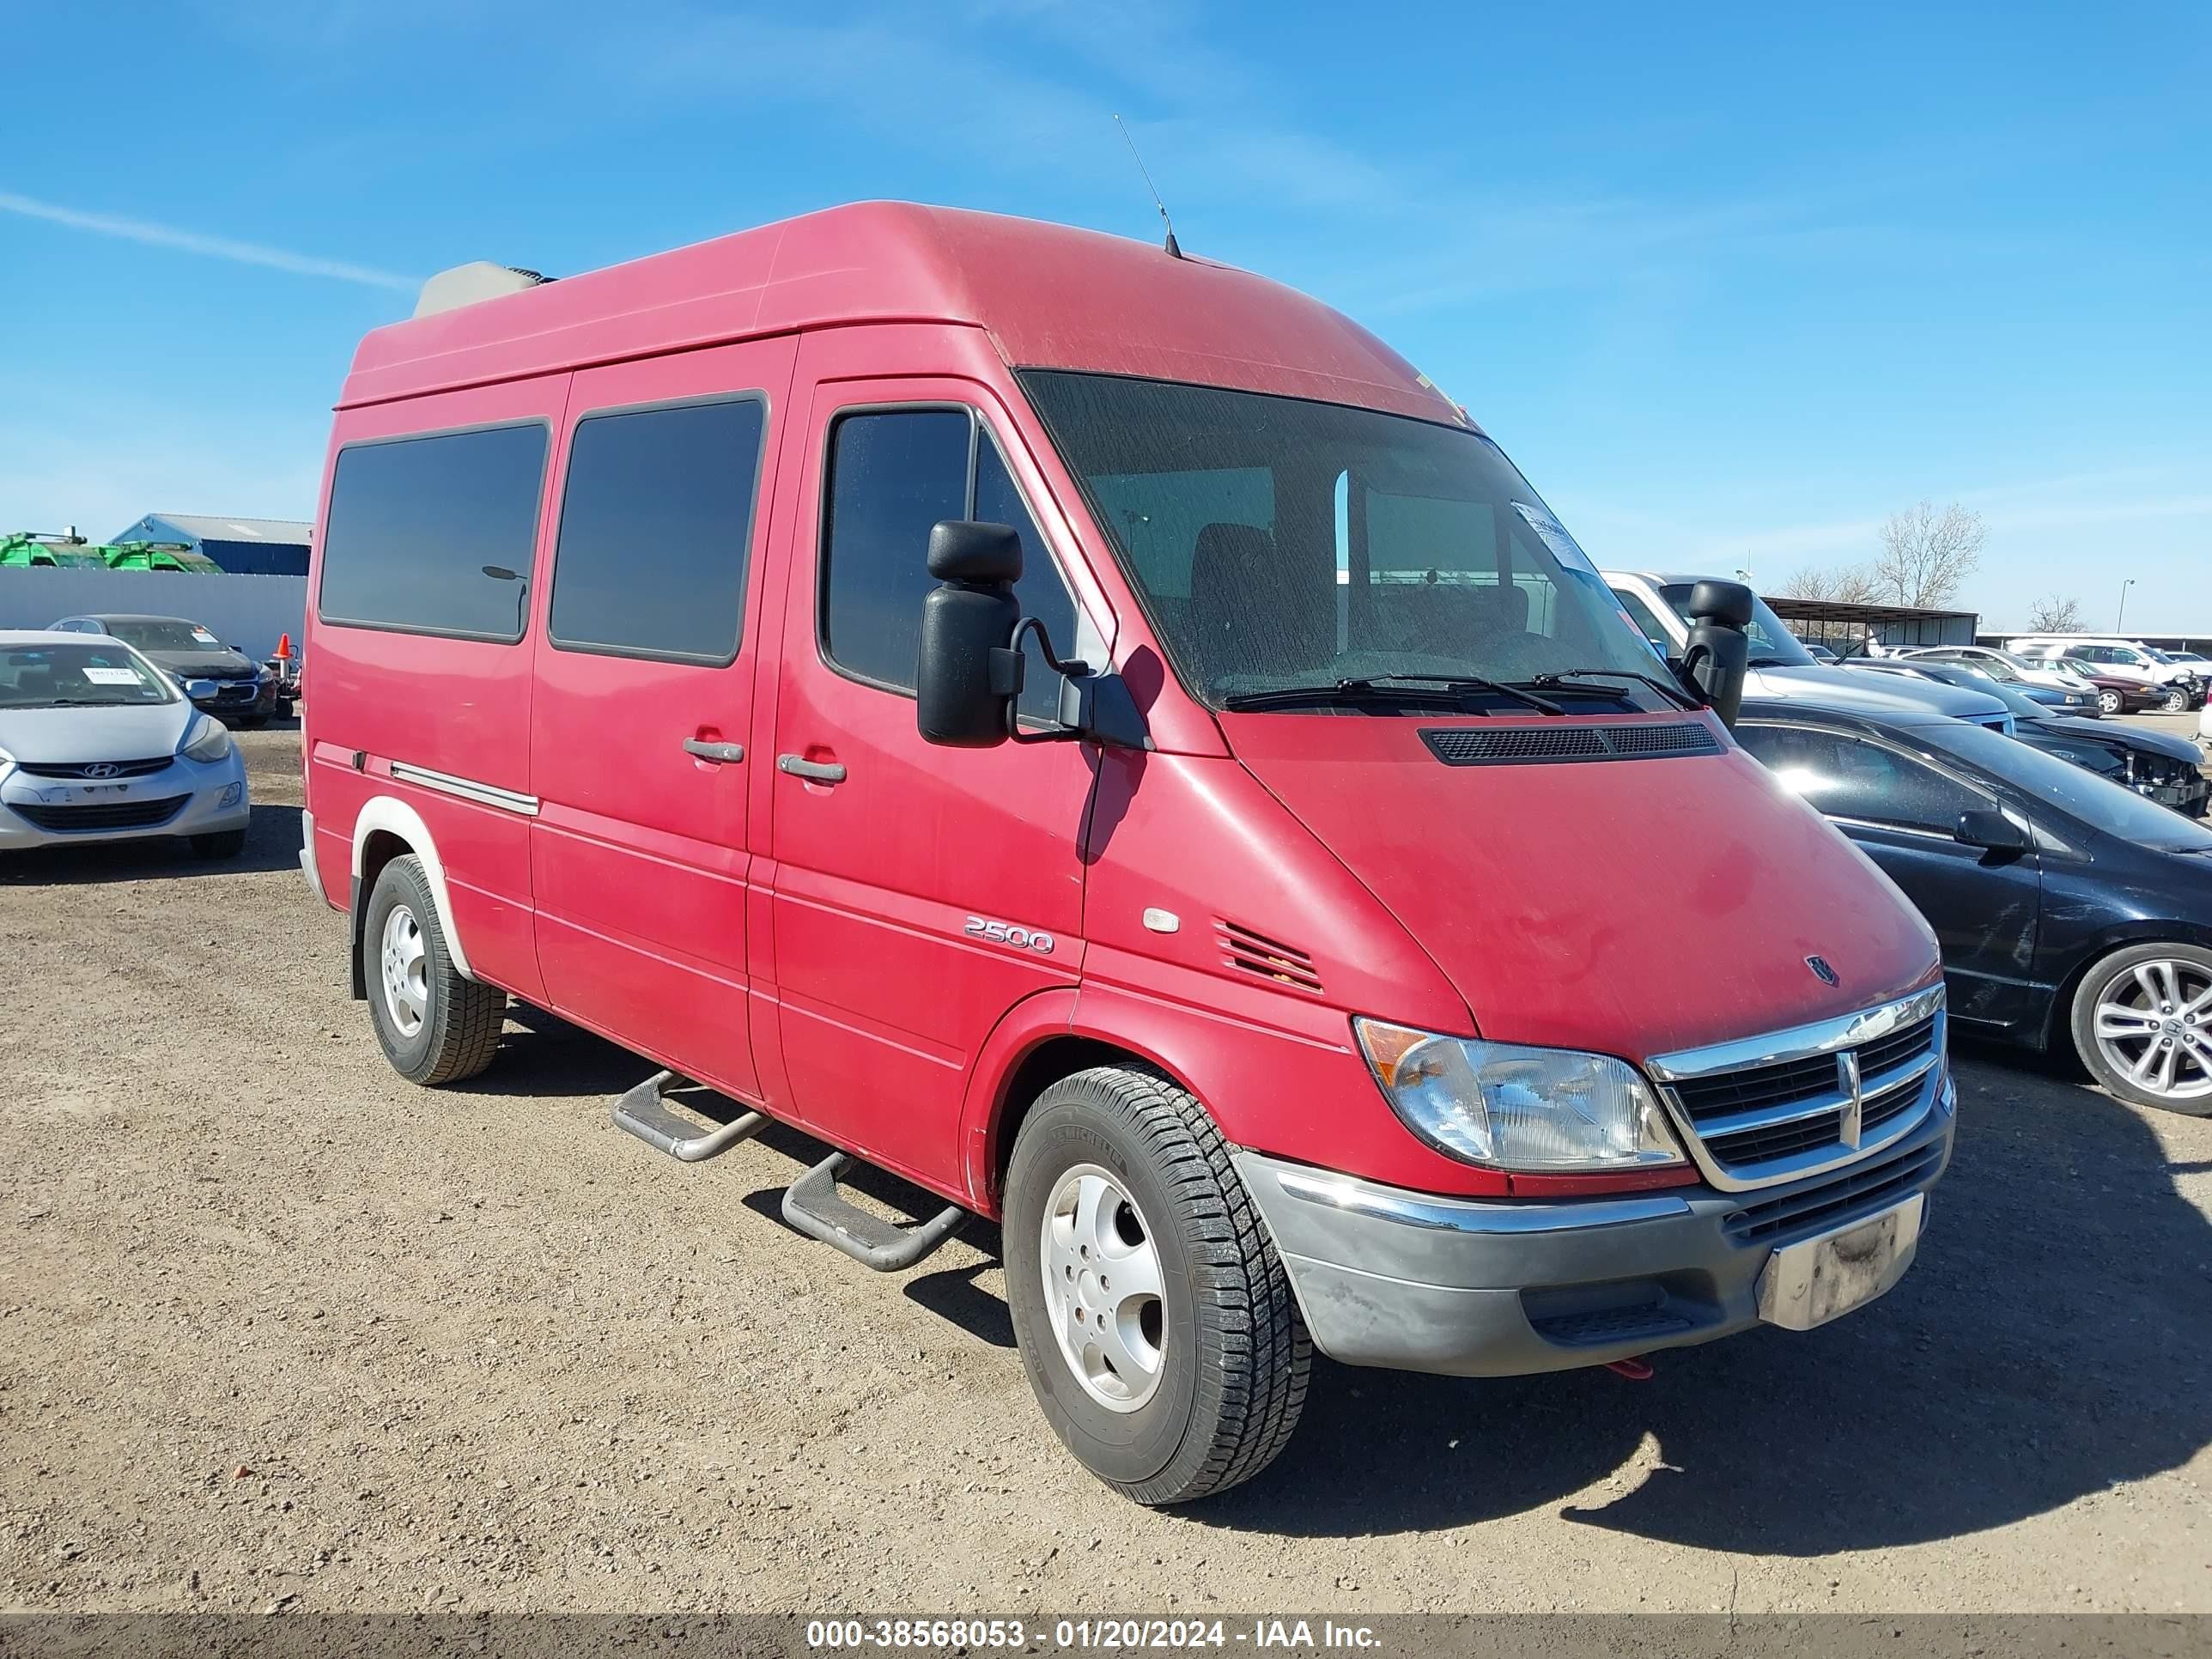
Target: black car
[[2168, 770], [217, 678], [2067, 907]]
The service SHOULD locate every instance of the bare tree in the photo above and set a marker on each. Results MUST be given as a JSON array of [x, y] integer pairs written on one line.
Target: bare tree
[[2054, 615], [1846, 584], [1926, 556]]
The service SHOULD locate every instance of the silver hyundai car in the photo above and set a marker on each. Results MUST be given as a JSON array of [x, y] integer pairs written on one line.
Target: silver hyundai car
[[97, 744]]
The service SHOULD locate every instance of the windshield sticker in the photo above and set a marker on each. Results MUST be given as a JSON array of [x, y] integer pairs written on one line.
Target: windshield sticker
[[1554, 534], [114, 676], [206, 638]]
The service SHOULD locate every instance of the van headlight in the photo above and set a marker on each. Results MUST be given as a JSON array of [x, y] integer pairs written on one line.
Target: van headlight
[[206, 739], [1545, 1111]]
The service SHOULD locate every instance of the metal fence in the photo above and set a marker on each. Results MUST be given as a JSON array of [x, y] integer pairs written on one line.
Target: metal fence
[[250, 612]]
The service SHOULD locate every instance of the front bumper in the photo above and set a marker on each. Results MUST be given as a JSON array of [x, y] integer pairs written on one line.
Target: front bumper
[[1414, 1282], [235, 697], [186, 798]]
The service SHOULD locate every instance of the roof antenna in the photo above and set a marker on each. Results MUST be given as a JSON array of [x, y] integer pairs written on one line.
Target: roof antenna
[[1174, 252]]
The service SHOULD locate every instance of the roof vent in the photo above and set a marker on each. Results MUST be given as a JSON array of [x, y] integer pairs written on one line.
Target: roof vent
[[1531, 745], [466, 285], [1255, 953]]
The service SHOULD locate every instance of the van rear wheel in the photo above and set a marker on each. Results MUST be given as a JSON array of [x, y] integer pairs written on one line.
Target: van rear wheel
[[436, 1025], [1153, 1315]]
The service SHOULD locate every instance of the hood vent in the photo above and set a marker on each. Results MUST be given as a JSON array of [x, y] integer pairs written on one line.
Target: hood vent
[[1255, 953], [1531, 745]]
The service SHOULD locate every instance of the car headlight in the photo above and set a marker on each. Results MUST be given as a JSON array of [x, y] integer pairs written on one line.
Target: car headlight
[[1546, 1111], [206, 739]]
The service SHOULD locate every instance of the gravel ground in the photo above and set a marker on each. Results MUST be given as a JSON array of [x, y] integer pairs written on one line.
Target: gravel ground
[[277, 1330]]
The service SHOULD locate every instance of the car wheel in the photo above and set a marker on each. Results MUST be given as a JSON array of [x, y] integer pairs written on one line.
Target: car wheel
[[1153, 1315], [2142, 1024], [2111, 702], [2176, 701], [219, 844], [436, 1025]]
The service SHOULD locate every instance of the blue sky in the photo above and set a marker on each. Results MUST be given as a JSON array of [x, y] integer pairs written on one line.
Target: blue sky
[[1730, 283]]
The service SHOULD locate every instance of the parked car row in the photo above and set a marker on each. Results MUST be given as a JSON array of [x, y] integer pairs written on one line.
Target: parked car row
[[218, 677], [2164, 681], [98, 743]]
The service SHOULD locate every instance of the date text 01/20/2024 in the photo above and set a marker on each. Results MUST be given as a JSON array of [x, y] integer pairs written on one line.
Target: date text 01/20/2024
[[1086, 1633]]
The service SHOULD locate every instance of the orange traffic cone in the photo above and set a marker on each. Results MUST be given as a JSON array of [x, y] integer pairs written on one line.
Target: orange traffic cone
[[284, 646]]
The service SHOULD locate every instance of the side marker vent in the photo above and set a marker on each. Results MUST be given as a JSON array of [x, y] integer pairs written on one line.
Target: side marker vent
[[1536, 746], [1255, 953]]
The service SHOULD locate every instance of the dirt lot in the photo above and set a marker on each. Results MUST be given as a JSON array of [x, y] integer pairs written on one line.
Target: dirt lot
[[277, 1329]]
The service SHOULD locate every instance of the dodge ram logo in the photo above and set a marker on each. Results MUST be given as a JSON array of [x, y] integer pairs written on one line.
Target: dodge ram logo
[[1821, 972]]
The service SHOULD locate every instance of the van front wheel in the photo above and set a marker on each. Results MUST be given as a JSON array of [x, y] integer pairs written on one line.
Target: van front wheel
[[1154, 1318], [436, 1025]]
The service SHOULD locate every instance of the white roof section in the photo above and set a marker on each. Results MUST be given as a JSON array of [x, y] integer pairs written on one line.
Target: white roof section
[[197, 526]]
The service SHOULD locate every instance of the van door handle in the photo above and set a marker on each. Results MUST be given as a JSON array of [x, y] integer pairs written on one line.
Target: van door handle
[[812, 771], [714, 751]]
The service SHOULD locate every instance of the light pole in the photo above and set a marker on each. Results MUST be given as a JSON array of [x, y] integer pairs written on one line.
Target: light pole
[[2123, 621]]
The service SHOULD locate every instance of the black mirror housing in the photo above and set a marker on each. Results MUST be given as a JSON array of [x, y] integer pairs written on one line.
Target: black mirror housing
[[1991, 831], [968, 673], [1718, 656]]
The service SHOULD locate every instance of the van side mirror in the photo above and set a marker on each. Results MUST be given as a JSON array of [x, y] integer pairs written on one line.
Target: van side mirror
[[1718, 654], [968, 674], [1990, 831]]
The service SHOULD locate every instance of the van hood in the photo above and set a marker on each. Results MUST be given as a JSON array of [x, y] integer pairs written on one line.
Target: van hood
[[51, 737], [1630, 907], [1860, 692]]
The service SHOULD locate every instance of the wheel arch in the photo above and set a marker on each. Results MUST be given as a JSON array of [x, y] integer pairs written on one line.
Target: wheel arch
[[386, 828], [1036, 1042], [2057, 1019]]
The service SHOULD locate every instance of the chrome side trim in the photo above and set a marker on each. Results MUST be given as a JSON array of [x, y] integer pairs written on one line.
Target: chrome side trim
[[1345, 1192], [483, 794], [1799, 1042]]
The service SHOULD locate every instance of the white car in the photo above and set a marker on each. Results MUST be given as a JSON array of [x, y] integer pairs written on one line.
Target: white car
[[2123, 660], [96, 744], [1782, 667], [2006, 667]]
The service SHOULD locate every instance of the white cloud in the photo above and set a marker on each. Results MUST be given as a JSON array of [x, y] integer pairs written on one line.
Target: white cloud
[[191, 241]]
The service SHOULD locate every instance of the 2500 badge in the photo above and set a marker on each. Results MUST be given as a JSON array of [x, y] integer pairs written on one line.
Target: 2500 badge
[[1001, 932]]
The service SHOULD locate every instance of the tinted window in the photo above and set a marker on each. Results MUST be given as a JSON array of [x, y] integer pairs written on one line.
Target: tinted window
[[892, 475], [1773, 644], [656, 519], [413, 524], [1848, 777]]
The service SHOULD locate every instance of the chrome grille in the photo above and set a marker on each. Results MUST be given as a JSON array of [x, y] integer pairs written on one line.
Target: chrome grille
[[1797, 1102]]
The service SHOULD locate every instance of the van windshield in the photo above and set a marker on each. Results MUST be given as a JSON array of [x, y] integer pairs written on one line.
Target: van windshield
[[1278, 545]]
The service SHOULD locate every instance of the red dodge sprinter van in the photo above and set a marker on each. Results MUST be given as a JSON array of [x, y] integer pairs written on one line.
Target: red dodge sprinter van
[[1097, 734]]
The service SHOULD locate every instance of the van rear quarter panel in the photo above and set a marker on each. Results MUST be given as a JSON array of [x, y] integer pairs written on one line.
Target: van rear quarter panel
[[460, 707]]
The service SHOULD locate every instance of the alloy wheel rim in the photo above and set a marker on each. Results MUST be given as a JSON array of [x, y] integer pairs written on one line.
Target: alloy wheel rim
[[406, 982], [2152, 1025], [1103, 1288]]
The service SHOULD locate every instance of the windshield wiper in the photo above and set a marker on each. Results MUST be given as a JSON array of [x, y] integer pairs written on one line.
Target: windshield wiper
[[1429, 691], [1673, 693]]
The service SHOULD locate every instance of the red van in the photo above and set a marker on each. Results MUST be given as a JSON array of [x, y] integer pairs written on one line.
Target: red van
[[1097, 734]]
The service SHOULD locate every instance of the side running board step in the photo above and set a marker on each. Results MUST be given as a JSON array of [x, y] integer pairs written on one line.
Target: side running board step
[[644, 1111], [813, 1205]]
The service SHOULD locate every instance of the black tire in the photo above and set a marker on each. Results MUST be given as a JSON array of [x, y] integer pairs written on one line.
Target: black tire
[[2116, 974], [459, 1027], [2111, 702], [219, 844], [1235, 1355]]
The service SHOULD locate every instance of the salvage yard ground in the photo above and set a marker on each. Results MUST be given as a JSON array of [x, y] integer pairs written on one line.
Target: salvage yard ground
[[278, 1330]]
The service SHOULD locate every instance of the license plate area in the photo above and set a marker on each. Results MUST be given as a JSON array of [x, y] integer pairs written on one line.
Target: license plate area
[[1817, 1279]]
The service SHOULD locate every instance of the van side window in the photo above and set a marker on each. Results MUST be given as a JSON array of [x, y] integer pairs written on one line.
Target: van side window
[[656, 524], [414, 521], [893, 474]]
